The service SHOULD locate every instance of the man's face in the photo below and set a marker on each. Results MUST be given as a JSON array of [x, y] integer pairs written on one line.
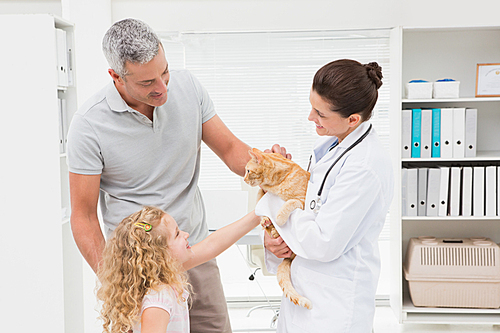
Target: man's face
[[146, 83]]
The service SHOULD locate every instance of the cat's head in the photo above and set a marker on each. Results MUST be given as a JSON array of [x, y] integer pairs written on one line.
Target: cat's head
[[254, 170], [261, 169]]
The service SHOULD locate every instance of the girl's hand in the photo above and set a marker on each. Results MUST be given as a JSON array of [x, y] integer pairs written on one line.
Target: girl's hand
[[277, 246]]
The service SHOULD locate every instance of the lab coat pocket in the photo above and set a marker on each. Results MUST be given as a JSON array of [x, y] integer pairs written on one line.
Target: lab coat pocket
[[332, 299]]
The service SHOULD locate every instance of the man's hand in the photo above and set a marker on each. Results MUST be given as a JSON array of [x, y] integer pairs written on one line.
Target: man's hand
[[279, 150], [277, 246]]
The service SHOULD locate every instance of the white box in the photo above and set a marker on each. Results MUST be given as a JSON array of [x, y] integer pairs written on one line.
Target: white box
[[446, 89], [419, 90], [453, 272]]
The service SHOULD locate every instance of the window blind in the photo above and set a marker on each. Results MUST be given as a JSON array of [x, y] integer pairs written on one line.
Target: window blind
[[260, 83]]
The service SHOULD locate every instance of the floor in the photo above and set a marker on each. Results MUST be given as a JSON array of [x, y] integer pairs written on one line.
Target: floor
[[259, 320]]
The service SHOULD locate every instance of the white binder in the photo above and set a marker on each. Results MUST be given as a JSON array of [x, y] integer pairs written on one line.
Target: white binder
[[458, 132], [61, 127], [498, 191], [470, 132], [426, 134], [455, 191], [412, 196], [444, 182], [433, 185], [406, 133], [467, 191], [62, 58], [478, 192], [447, 133], [422, 191], [491, 191], [404, 192]]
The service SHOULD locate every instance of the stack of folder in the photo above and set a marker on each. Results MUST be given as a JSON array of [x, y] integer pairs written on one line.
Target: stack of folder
[[434, 133], [451, 191]]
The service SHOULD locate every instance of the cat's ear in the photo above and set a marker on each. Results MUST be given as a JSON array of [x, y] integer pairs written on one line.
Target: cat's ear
[[255, 154]]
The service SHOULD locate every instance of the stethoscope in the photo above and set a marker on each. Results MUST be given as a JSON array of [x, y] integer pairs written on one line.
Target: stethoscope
[[315, 205]]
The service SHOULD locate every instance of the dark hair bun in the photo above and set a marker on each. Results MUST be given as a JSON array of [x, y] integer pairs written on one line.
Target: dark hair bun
[[375, 73]]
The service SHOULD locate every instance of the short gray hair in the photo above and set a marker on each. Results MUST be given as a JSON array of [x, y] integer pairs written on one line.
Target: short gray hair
[[129, 40]]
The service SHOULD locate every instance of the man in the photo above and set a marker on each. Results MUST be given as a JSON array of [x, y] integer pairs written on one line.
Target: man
[[137, 142]]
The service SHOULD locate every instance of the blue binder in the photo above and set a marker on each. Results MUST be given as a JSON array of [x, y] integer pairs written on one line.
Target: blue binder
[[415, 132], [436, 133]]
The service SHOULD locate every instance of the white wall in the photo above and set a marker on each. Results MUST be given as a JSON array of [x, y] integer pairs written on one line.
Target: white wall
[[230, 15], [30, 7]]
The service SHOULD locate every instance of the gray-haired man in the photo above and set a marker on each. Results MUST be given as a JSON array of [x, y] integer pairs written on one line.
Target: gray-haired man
[[137, 142]]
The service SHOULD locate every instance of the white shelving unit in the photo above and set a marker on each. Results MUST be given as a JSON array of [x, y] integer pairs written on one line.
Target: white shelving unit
[[42, 268], [433, 54]]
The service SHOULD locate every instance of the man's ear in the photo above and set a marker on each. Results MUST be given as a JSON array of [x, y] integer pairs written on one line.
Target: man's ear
[[116, 78]]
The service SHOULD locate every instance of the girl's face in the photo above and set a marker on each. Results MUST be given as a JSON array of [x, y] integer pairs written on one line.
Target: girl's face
[[327, 122], [177, 240]]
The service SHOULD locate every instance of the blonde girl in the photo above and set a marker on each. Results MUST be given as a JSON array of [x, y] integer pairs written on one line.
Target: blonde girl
[[143, 284]]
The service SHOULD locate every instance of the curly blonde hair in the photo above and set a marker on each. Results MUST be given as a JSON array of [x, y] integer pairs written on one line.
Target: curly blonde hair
[[136, 261]]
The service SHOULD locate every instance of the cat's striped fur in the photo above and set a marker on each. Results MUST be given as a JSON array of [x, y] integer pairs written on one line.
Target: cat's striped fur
[[286, 179]]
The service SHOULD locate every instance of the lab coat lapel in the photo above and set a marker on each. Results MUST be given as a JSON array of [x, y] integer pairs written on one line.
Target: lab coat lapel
[[320, 155]]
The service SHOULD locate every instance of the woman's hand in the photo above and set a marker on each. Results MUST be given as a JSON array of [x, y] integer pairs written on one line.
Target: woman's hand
[[277, 246]]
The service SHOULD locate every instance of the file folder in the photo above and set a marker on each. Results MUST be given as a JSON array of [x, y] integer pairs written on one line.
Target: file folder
[[62, 58], [436, 133], [444, 182], [478, 192], [491, 190], [62, 139], [412, 188], [422, 191], [498, 191], [470, 132], [406, 133], [467, 191], [404, 192], [433, 185], [455, 191], [416, 123], [458, 132], [426, 134], [447, 133]]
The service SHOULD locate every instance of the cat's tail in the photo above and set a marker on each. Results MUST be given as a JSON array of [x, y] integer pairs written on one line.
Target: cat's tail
[[285, 282]]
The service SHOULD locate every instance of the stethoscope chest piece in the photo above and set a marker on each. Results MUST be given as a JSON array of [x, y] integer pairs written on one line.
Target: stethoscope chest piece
[[315, 205]]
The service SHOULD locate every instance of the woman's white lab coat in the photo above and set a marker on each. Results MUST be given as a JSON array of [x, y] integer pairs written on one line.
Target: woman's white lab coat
[[337, 264]]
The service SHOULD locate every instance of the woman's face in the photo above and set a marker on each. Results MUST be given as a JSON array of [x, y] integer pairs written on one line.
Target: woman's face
[[328, 122], [177, 240]]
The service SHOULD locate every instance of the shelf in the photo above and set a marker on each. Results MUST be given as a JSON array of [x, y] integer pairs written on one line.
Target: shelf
[[453, 100], [450, 218], [415, 314], [485, 155]]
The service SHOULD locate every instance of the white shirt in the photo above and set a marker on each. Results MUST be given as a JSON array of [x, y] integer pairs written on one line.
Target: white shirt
[[337, 264], [166, 299]]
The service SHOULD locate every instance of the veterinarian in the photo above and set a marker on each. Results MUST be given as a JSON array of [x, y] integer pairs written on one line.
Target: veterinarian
[[335, 237], [137, 142]]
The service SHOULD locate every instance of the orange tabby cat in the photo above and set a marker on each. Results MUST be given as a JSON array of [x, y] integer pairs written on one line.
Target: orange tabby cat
[[286, 179]]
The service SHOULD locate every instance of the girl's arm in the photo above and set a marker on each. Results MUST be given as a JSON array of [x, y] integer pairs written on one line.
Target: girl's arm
[[154, 320], [220, 240]]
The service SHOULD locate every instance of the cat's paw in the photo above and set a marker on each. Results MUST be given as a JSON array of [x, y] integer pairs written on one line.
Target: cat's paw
[[265, 222], [281, 219]]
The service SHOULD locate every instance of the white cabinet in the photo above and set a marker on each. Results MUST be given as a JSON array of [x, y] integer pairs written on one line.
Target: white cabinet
[[433, 54], [41, 284]]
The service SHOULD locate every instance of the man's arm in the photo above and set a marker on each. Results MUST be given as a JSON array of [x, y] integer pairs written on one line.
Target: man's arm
[[231, 150], [84, 193]]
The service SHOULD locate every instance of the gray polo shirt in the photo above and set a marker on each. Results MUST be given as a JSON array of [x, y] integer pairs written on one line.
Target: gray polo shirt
[[144, 162]]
